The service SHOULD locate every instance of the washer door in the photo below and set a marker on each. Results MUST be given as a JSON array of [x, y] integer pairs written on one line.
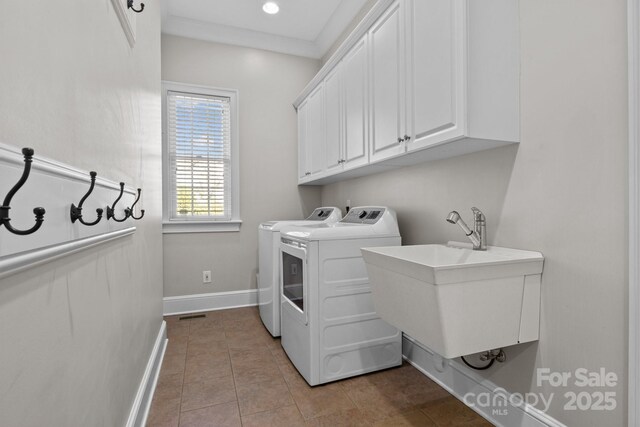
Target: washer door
[[293, 279]]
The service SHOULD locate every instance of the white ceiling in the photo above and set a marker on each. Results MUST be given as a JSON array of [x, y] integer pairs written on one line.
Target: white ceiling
[[302, 27]]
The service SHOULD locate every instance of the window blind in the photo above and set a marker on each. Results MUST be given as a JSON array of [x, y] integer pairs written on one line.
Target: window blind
[[199, 143]]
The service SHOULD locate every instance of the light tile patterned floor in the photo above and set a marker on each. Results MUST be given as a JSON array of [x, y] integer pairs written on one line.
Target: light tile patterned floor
[[226, 370]]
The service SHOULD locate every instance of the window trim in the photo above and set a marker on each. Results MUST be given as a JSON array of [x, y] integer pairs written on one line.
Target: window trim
[[206, 225]]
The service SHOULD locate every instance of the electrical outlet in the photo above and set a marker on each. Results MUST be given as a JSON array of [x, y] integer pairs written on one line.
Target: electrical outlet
[[206, 276]]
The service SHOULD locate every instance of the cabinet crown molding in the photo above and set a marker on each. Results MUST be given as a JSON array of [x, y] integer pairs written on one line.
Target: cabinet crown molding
[[353, 38]]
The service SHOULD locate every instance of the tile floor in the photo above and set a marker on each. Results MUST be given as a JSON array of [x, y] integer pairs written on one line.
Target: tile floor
[[226, 370]]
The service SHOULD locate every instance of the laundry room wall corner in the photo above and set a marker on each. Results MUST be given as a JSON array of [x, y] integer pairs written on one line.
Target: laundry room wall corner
[[267, 83]]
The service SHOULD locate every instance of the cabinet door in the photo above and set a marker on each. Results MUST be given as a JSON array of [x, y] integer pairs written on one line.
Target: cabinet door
[[315, 132], [434, 71], [354, 100], [333, 120], [387, 94], [303, 170]]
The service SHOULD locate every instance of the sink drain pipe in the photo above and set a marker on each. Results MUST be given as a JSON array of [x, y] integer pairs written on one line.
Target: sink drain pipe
[[492, 356]]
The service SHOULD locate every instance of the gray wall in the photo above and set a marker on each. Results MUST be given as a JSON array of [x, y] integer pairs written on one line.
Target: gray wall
[[563, 192], [76, 333], [268, 83]]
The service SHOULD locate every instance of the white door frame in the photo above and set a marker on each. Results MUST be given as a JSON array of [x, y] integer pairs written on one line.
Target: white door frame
[[634, 211]]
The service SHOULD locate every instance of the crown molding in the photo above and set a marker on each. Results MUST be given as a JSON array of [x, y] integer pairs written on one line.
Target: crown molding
[[361, 29], [207, 31], [339, 21]]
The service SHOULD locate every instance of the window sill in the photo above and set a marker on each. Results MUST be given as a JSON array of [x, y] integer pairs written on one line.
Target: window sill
[[175, 227]]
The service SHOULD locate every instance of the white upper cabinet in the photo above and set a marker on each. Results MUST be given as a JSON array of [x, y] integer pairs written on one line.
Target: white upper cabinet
[[355, 108], [333, 119], [463, 72], [345, 112], [387, 90], [434, 71], [417, 80], [315, 132], [303, 171], [311, 132], [493, 70]]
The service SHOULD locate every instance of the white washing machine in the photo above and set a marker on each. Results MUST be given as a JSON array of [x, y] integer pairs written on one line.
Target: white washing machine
[[269, 263], [329, 326]]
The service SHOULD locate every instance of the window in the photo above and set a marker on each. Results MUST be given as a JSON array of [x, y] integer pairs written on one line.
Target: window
[[200, 159]]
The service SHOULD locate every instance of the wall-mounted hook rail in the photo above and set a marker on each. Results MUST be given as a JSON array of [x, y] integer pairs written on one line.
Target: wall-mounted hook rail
[[110, 210], [76, 211], [4, 209], [130, 210], [130, 6]]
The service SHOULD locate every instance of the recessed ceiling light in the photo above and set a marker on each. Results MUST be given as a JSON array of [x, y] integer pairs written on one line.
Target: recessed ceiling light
[[271, 8]]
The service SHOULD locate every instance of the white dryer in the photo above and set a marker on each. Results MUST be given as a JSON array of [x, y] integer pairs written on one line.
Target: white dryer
[[269, 263], [329, 326]]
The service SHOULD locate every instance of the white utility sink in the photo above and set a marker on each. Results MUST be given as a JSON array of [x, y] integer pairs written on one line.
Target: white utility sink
[[455, 300]]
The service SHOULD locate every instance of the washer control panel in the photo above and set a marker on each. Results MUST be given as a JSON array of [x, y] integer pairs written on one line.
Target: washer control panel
[[363, 215], [320, 214]]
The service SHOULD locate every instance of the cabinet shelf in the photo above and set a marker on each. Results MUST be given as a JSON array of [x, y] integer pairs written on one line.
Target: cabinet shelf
[[438, 152]]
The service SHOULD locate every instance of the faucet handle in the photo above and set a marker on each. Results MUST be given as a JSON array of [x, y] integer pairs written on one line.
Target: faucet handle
[[477, 214]]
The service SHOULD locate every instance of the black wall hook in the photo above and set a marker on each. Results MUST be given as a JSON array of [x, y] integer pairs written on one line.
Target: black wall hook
[[110, 210], [4, 209], [130, 6], [130, 210], [76, 211]]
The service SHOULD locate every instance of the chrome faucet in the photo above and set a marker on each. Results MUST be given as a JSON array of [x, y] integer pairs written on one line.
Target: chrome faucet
[[478, 236]]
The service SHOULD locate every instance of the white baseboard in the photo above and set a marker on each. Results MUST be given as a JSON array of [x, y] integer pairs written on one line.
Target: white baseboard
[[209, 302], [142, 402], [459, 380]]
